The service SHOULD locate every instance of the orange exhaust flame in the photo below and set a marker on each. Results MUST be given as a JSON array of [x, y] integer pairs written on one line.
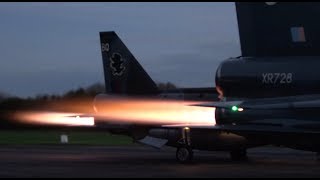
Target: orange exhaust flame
[[53, 118], [119, 110], [151, 111]]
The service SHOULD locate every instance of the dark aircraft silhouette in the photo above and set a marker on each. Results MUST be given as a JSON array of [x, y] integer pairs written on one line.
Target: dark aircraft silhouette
[[269, 95]]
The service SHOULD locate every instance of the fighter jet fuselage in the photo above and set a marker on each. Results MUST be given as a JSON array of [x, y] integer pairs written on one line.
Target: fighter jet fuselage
[[268, 77], [268, 95]]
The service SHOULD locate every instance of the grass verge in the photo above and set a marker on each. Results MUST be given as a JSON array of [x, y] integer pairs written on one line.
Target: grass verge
[[25, 137]]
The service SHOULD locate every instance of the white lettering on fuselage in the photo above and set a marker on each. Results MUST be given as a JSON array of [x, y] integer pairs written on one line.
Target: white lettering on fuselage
[[276, 78], [271, 3]]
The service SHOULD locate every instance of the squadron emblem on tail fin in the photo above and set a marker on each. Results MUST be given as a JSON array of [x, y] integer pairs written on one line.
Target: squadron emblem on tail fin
[[116, 64]]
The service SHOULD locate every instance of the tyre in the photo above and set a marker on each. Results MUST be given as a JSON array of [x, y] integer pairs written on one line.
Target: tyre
[[184, 154]]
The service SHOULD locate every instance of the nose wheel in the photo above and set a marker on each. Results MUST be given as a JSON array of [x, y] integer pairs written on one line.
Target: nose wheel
[[184, 154]]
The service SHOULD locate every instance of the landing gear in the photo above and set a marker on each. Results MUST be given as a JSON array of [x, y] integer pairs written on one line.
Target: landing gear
[[184, 154], [239, 155]]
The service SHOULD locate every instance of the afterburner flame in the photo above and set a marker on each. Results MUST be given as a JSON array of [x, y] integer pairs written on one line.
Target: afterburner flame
[[119, 110], [151, 111], [53, 118]]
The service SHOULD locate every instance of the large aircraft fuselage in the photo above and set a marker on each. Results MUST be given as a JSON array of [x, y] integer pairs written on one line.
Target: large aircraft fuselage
[[267, 77]]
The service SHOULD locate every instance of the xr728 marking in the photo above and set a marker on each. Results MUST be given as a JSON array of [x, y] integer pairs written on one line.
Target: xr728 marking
[[276, 78]]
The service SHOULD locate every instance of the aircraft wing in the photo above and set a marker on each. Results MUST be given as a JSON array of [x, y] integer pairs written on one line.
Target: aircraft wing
[[293, 102], [293, 127]]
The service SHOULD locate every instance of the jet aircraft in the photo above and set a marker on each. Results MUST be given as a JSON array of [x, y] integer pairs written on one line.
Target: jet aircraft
[[268, 95]]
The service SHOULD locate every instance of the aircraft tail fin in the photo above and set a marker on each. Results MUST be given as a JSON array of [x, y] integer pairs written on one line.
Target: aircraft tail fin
[[122, 72], [279, 28]]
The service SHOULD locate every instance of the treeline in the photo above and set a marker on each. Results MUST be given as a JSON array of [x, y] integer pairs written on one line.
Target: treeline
[[90, 91], [10, 105], [11, 102]]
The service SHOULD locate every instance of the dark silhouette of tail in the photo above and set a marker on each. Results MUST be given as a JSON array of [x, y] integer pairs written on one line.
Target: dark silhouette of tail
[[122, 72]]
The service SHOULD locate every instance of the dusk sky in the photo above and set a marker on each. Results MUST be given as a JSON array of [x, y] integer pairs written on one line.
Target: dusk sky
[[55, 47]]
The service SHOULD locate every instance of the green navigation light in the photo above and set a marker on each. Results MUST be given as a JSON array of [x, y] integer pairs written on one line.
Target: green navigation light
[[234, 108]]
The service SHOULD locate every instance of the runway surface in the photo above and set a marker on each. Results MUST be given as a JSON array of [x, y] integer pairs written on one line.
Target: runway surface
[[141, 161]]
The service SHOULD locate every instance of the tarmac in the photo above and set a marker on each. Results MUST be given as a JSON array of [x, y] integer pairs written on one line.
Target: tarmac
[[75, 161]]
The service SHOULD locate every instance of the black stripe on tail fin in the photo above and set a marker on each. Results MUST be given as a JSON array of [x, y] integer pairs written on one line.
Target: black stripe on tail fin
[[122, 72], [279, 28]]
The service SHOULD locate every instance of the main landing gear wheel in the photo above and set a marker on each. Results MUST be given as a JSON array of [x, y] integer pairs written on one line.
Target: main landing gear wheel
[[184, 154], [239, 155]]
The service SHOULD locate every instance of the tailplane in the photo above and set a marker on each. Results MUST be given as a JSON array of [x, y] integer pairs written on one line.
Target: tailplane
[[279, 28], [122, 72]]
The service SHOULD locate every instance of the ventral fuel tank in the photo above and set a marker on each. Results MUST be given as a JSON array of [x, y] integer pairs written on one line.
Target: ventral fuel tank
[[263, 77]]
